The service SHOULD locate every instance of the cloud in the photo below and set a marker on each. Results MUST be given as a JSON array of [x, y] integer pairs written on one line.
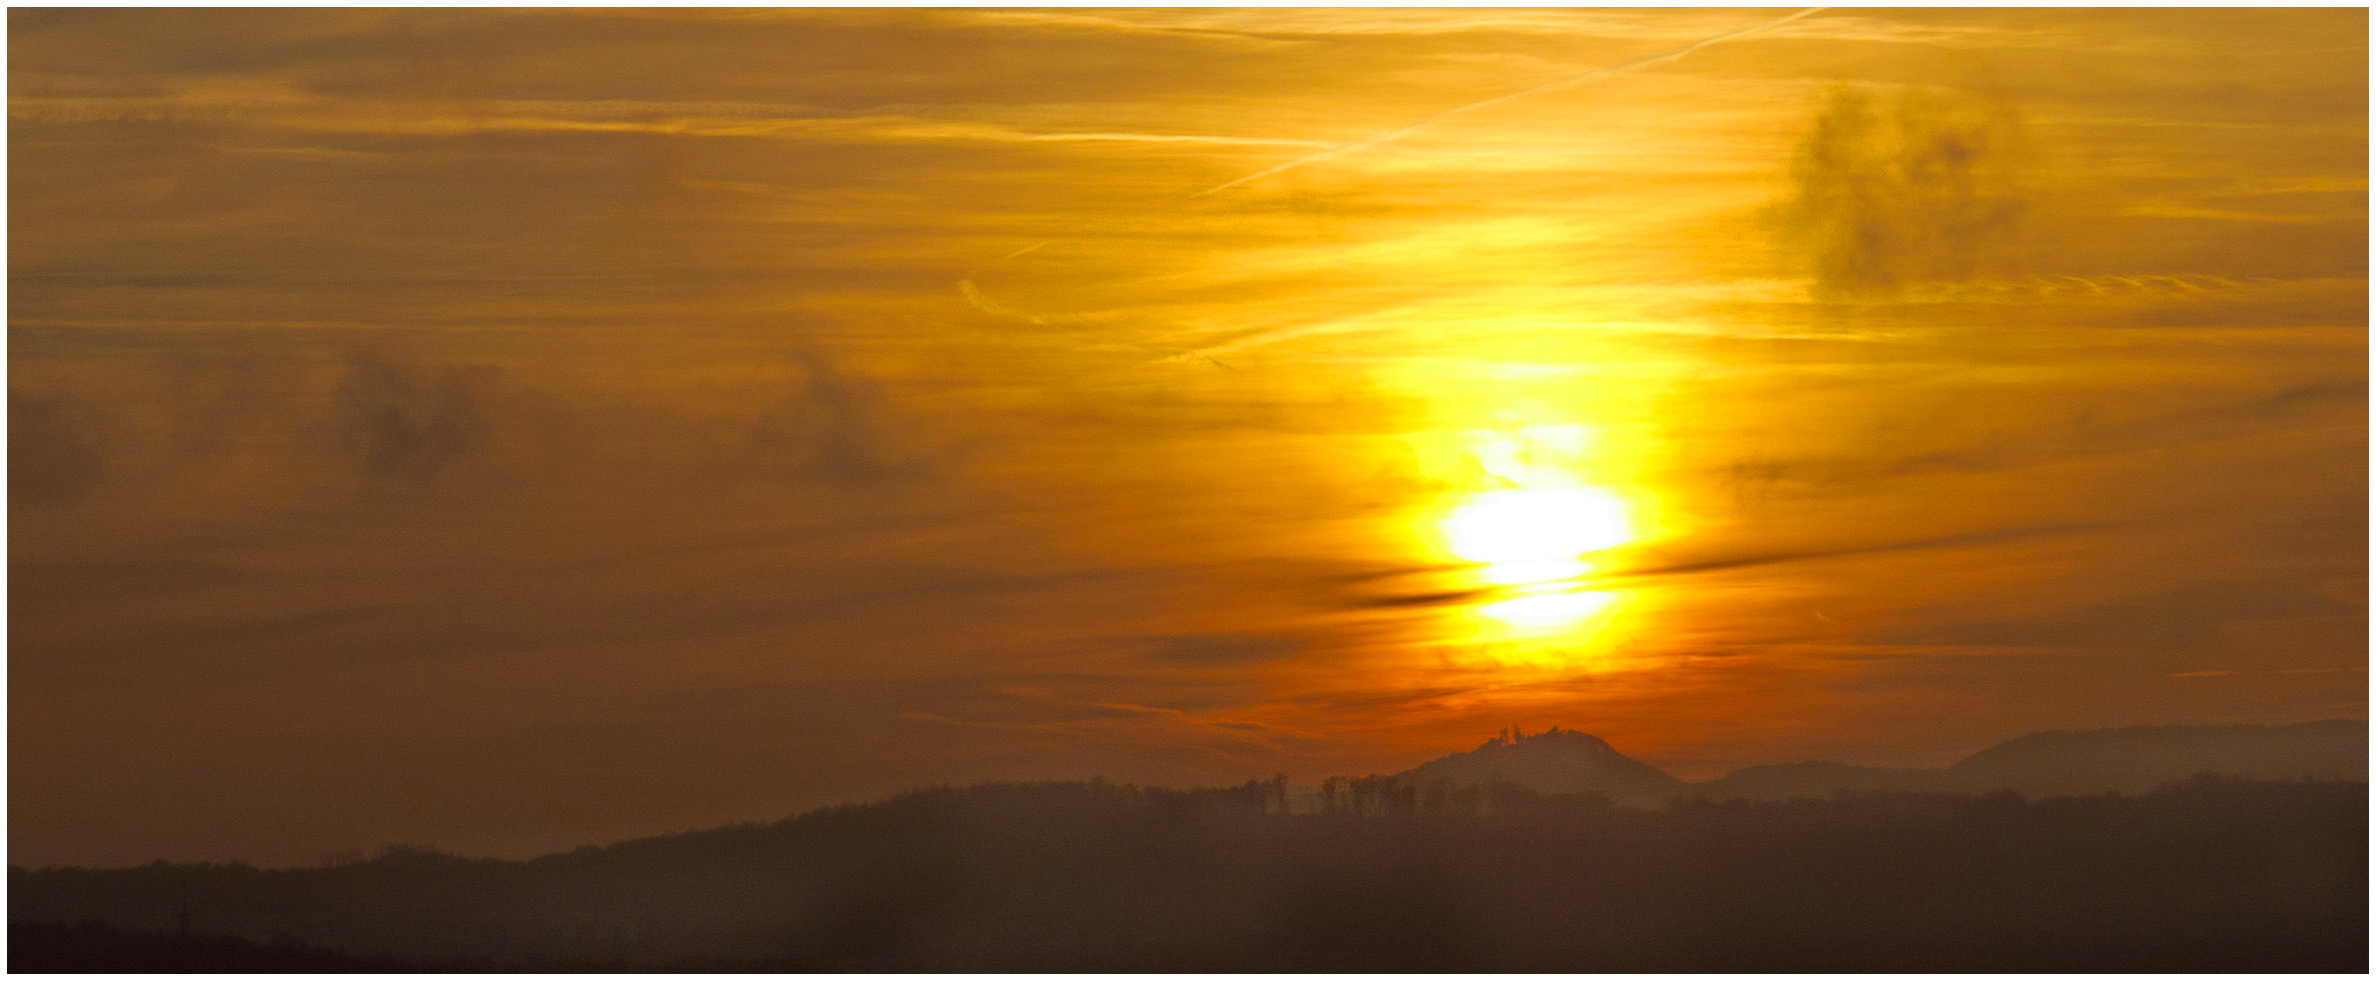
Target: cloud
[[831, 427], [407, 423], [1894, 190], [2188, 618], [1989, 537], [1547, 87], [1222, 649]]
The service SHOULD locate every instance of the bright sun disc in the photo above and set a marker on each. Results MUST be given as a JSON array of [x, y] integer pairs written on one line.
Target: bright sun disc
[[1530, 526]]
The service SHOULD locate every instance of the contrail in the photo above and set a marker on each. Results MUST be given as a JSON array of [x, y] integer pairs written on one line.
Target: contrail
[[1577, 78], [974, 296]]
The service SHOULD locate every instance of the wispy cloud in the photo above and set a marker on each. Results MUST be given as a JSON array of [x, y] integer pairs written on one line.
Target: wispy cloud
[[1551, 86]]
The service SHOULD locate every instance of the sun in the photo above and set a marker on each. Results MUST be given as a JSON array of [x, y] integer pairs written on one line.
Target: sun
[[1529, 527], [1534, 541], [1538, 511]]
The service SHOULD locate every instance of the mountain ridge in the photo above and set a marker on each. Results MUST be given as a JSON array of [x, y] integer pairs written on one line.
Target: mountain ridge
[[2127, 759]]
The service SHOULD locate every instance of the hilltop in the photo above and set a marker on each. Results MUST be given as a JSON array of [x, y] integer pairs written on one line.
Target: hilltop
[[1552, 762]]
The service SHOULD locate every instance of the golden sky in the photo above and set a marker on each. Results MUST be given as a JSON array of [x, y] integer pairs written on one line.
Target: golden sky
[[508, 430]]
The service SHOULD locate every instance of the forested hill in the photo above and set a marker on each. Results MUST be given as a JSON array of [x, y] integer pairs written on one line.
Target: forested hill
[[2207, 875]]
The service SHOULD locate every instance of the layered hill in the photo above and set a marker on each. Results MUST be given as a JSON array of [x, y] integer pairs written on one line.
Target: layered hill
[[2206, 875], [2047, 764], [2137, 759], [2218, 874]]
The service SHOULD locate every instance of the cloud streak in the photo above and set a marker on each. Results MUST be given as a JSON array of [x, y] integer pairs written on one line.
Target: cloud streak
[[1551, 86]]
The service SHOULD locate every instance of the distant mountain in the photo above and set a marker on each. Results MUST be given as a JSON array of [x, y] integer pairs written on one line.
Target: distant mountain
[[2047, 764], [1553, 762], [2052, 764], [2137, 759]]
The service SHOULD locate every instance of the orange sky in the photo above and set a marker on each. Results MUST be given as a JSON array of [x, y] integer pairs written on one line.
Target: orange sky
[[509, 430]]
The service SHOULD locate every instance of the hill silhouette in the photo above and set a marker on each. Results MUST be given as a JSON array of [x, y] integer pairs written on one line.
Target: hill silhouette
[[2135, 759], [2208, 874], [2127, 760], [1551, 762]]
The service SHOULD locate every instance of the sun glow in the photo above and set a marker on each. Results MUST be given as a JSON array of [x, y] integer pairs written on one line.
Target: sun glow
[[1531, 532], [1548, 612]]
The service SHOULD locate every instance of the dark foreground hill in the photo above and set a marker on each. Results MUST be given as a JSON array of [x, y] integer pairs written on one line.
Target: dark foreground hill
[[2208, 875], [92, 948]]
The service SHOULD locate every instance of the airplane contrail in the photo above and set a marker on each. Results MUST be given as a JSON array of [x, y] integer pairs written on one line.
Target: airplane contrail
[[1575, 79], [974, 296]]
